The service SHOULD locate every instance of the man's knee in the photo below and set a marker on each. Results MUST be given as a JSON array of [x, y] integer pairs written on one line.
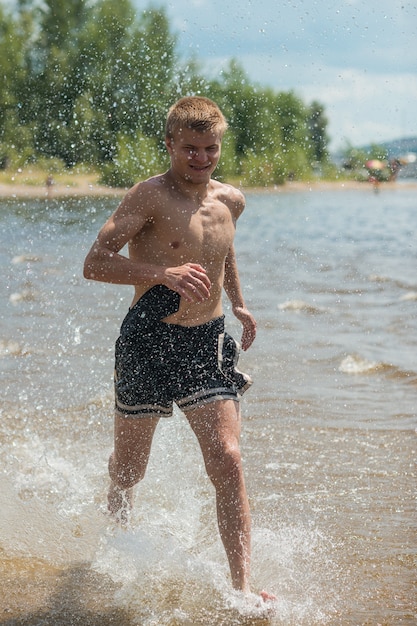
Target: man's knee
[[225, 465]]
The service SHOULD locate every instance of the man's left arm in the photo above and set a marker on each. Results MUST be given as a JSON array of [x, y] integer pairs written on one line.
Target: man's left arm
[[234, 293]]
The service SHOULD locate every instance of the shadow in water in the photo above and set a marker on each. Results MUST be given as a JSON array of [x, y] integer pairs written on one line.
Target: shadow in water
[[81, 598]]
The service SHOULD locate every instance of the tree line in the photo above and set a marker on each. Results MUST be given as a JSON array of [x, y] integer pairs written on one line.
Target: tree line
[[89, 82]]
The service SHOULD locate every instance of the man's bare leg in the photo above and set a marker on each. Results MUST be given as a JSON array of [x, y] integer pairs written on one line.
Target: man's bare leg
[[127, 464], [217, 427]]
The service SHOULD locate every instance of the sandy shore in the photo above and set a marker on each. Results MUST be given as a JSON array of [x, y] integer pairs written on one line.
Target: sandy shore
[[79, 189], [84, 188]]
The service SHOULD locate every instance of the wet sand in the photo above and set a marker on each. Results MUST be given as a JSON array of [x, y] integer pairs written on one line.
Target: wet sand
[[79, 189]]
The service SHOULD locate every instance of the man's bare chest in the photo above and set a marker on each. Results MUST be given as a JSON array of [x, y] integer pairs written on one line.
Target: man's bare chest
[[205, 232]]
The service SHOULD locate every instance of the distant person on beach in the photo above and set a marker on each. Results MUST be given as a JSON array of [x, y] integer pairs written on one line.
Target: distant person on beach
[[49, 184], [180, 227]]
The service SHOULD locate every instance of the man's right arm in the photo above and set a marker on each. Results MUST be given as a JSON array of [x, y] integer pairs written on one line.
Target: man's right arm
[[105, 263]]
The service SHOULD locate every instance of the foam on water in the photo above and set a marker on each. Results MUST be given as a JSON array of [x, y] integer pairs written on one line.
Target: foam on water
[[300, 306], [354, 364], [10, 347], [169, 567], [161, 576], [410, 296]]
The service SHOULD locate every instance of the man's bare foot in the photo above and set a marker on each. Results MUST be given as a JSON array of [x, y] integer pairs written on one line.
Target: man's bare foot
[[267, 597], [119, 504], [261, 605]]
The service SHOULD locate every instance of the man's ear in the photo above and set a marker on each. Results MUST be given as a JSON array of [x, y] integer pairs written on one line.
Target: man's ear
[[169, 144]]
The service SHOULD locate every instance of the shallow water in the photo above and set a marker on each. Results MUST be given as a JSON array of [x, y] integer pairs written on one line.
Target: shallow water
[[329, 437]]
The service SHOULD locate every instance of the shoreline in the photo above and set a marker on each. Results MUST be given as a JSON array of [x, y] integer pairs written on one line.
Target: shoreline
[[88, 189], [319, 186], [57, 190]]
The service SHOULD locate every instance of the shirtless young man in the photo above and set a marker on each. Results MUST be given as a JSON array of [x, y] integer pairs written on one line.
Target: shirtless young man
[[180, 227]]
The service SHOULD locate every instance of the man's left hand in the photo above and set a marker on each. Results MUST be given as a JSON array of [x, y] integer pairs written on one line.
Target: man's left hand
[[248, 322]]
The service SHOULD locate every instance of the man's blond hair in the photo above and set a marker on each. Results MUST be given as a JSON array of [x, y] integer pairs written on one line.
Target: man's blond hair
[[197, 113]]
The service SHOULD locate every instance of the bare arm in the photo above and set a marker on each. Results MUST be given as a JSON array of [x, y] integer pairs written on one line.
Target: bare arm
[[234, 293], [105, 263]]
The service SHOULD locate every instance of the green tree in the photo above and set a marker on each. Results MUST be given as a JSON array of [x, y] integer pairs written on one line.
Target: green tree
[[94, 72], [317, 128], [50, 81], [15, 39], [269, 129], [155, 72], [91, 80], [132, 91], [104, 70], [293, 126], [137, 157]]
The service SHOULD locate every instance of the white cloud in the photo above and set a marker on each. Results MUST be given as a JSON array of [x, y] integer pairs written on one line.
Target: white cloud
[[368, 108]]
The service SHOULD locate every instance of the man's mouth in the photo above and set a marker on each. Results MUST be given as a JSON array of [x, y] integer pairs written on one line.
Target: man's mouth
[[200, 168]]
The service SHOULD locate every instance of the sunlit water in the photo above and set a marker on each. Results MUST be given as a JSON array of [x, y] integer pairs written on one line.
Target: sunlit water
[[329, 434]]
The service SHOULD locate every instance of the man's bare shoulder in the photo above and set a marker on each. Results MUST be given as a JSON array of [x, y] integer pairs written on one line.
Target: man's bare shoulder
[[155, 184], [145, 196], [231, 196]]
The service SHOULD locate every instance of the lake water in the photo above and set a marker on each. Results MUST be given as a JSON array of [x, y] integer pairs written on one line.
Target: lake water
[[329, 434]]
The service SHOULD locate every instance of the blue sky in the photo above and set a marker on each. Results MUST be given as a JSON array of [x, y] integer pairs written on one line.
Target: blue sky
[[358, 58]]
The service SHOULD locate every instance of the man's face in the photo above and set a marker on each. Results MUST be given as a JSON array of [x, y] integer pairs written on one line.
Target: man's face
[[194, 155]]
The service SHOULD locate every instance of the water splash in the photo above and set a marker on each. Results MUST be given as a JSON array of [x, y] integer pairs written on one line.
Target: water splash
[[354, 364]]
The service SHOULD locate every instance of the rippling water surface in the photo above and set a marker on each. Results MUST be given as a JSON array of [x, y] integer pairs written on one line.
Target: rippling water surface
[[329, 437]]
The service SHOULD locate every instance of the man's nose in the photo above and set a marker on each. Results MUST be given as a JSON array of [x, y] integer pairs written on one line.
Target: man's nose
[[200, 156]]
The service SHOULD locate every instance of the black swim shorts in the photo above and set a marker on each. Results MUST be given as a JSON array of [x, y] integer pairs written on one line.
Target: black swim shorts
[[157, 363]]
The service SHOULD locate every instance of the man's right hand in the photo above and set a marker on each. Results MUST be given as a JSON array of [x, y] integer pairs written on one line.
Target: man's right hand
[[190, 281]]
